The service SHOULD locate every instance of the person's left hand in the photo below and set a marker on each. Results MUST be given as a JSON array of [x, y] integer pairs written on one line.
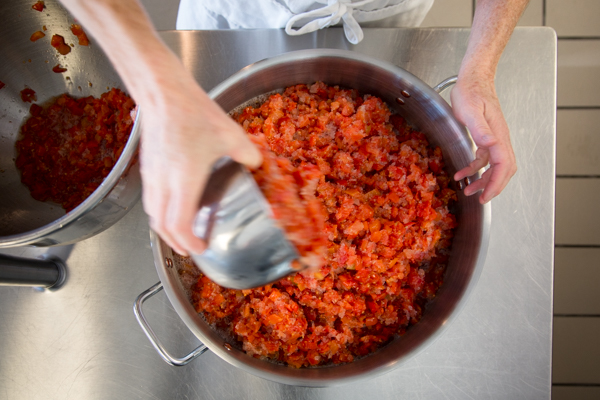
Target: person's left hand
[[476, 106]]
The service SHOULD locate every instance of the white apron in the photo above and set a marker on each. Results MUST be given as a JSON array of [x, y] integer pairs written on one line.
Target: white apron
[[301, 16]]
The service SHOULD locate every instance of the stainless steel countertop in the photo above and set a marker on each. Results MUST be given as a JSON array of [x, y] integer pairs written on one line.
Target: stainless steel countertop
[[83, 342]]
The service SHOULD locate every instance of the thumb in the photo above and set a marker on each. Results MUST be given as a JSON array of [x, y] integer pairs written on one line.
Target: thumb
[[246, 153]]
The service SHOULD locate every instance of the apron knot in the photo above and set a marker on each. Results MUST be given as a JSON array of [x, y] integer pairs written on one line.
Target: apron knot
[[329, 15]]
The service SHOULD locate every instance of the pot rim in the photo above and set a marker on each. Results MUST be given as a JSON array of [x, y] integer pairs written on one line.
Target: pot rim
[[363, 368]]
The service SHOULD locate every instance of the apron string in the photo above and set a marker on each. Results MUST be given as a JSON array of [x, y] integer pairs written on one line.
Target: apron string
[[327, 16]]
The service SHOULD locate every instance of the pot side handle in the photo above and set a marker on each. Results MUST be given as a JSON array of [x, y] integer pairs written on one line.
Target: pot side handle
[[139, 315], [445, 84]]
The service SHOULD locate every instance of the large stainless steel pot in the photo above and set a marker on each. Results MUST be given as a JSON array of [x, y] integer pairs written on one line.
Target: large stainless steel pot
[[24, 220], [423, 107]]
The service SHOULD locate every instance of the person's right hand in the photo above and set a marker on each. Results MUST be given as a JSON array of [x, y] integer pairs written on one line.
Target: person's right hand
[[184, 133]]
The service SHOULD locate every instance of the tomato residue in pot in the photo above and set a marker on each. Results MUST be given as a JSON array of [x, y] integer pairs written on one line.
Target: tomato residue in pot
[[68, 147], [28, 95], [58, 69], [58, 42], [37, 35], [38, 6], [378, 193], [81, 36]]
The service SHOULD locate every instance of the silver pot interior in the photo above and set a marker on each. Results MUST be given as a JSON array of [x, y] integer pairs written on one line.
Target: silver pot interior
[[424, 109], [89, 72]]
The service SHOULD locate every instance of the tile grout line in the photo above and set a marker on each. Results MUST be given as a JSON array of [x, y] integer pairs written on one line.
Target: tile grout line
[[577, 384], [544, 13], [576, 246], [578, 37], [577, 315], [577, 176], [578, 107]]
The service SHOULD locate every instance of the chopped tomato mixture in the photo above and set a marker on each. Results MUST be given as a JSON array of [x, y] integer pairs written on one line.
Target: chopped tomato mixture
[[290, 189], [67, 148], [78, 31], [28, 95], [380, 194], [58, 42], [58, 69], [38, 6], [37, 35]]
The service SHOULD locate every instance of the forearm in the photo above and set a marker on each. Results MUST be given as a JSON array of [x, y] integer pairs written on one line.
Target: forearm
[[475, 102], [124, 31], [493, 24]]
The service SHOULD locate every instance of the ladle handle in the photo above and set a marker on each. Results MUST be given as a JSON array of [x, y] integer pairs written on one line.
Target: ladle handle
[[139, 315], [16, 271]]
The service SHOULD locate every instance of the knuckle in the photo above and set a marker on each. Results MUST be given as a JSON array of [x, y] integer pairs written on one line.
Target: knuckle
[[179, 228], [488, 139], [171, 225], [157, 225]]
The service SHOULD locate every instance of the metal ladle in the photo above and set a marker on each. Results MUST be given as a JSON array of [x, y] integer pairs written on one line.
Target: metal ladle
[[245, 247]]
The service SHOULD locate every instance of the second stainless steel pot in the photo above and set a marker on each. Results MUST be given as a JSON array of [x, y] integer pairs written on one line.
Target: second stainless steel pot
[[426, 110], [26, 221]]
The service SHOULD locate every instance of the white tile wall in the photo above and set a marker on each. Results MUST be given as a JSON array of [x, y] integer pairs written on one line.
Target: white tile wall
[[534, 14], [576, 350], [574, 17], [578, 142], [577, 216], [576, 278], [575, 393], [579, 73], [450, 13]]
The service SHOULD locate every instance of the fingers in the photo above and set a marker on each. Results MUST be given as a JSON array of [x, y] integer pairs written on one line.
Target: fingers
[[502, 171], [155, 205], [479, 184], [481, 160], [155, 195], [495, 179], [502, 158], [172, 210], [175, 173], [492, 182], [246, 153], [181, 213]]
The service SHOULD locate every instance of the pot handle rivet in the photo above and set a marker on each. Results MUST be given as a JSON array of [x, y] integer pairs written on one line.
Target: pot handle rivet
[[463, 183]]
